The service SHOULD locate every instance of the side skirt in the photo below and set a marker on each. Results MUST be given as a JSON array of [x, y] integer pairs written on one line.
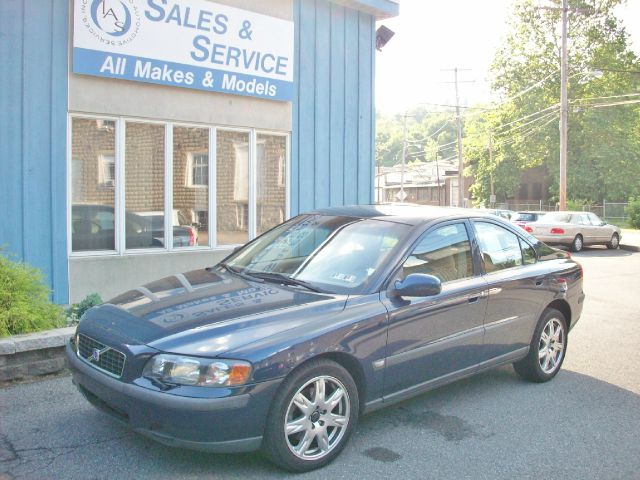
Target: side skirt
[[423, 387]]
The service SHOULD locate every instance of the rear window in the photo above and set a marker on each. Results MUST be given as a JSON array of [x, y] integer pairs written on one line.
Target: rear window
[[555, 217], [526, 217]]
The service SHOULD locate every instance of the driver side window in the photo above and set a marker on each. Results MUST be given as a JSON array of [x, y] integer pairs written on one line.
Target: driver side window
[[444, 253]]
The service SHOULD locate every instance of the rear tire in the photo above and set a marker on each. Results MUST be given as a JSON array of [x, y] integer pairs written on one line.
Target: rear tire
[[547, 349], [614, 243], [577, 244], [312, 417]]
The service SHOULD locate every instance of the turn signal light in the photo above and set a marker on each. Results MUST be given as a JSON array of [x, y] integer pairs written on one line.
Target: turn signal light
[[557, 231]]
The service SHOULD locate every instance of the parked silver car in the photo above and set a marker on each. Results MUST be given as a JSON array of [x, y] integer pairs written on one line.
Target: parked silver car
[[574, 229]]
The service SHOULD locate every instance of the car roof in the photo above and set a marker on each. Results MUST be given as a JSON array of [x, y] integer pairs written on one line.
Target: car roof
[[532, 211], [409, 214]]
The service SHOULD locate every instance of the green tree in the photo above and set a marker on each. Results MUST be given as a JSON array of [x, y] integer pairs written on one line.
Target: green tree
[[604, 142], [428, 133]]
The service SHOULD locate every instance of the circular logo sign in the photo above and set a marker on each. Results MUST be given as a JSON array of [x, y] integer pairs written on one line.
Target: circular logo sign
[[112, 17], [111, 21]]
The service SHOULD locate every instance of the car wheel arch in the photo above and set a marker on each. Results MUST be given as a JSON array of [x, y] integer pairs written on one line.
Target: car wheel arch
[[345, 360], [563, 307]]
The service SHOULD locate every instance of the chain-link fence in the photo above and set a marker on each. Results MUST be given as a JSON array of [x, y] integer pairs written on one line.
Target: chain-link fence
[[611, 211]]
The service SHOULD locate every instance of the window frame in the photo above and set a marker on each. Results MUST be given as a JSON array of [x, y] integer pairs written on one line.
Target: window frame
[[395, 272], [508, 228], [120, 162], [434, 229]]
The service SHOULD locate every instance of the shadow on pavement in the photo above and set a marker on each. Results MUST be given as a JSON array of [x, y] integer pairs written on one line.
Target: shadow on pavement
[[602, 252]]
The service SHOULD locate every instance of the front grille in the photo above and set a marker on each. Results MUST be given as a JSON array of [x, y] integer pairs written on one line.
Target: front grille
[[109, 360]]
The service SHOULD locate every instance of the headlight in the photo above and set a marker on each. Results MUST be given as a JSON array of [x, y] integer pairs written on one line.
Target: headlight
[[201, 372]]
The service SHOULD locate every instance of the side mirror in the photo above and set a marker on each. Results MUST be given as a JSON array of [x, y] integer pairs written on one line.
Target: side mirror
[[418, 285]]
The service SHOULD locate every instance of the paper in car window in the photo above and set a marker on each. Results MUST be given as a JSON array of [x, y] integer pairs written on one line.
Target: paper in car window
[[344, 277]]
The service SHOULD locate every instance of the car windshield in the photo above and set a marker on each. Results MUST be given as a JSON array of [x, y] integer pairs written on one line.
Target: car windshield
[[332, 253], [556, 217]]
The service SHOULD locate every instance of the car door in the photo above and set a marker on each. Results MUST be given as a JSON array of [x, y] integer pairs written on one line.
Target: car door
[[517, 287], [602, 231], [433, 337]]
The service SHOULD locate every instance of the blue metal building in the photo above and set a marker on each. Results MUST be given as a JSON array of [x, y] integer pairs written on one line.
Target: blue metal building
[[91, 163]]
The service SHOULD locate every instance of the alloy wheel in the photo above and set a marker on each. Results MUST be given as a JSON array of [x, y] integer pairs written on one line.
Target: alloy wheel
[[317, 418], [551, 346]]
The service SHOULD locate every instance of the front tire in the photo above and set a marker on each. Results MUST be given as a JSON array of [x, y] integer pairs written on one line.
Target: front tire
[[311, 417], [547, 348], [578, 243], [614, 243]]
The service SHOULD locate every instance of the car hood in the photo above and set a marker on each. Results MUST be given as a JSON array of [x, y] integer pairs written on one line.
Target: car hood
[[204, 312]]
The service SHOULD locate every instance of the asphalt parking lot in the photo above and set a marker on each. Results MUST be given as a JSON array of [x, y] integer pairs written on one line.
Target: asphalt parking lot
[[584, 424]]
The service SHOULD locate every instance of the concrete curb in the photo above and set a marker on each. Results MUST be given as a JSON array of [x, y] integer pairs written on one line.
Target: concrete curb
[[33, 354]]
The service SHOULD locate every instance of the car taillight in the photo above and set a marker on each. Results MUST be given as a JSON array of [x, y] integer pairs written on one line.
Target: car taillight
[[527, 228], [192, 236], [557, 231]]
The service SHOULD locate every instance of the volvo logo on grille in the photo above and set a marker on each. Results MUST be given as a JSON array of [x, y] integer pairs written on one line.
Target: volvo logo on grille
[[95, 354]]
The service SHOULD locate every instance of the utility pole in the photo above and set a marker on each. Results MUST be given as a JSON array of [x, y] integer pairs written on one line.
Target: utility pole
[[438, 178], [492, 198], [459, 127], [564, 97], [564, 107], [460, 159], [401, 195]]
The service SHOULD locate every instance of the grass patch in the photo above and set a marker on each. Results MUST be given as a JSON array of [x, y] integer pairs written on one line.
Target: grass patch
[[24, 300]]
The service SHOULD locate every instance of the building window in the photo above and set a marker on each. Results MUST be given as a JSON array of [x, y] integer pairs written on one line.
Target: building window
[[93, 207], [198, 170], [141, 185], [190, 215], [144, 185], [107, 170], [271, 152], [232, 186]]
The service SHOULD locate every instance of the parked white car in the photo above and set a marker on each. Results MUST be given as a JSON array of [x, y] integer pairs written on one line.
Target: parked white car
[[574, 229]]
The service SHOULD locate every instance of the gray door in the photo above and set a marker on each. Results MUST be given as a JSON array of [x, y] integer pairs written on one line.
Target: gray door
[[432, 337]]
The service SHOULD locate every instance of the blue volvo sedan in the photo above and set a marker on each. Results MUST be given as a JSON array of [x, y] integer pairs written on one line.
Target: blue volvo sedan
[[333, 314]]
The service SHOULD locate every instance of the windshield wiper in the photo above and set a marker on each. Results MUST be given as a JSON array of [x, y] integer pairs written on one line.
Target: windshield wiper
[[239, 273], [284, 279]]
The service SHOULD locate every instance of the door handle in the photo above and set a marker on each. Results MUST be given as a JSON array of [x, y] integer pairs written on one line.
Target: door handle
[[474, 299], [539, 281]]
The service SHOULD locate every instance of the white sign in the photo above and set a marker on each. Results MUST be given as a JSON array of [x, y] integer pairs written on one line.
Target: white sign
[[193, 44]]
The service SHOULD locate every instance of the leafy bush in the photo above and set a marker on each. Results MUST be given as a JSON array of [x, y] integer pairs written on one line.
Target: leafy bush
[[75, 311], [24, 300], [633, 210], [577, 205]]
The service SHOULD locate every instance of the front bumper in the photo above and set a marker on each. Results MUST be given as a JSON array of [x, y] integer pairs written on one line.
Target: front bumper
[[226, 424]]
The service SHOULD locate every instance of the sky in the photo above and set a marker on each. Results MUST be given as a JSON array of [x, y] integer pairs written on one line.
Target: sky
[[432, 36]]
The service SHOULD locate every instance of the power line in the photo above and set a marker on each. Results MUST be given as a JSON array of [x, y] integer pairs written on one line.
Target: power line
[[623, 95], [527, 133], [527, 123], [602, 105]]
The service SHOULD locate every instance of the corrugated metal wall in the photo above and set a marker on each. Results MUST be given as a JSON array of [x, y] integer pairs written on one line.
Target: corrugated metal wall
[[33, 112], [333, 111]]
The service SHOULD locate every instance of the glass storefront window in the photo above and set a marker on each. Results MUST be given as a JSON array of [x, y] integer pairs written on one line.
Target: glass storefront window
[[232, 187], [190, 217], [271, 164], [144, 185], [129, 191], [93, 182]]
